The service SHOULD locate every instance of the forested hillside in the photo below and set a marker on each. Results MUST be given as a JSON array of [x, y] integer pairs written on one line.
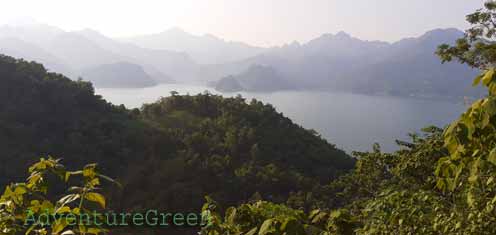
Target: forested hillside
[[235, 151], [167, 155], [48, 114]]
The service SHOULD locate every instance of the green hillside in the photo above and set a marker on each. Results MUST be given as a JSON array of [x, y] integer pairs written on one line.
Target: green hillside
[[168, 154]]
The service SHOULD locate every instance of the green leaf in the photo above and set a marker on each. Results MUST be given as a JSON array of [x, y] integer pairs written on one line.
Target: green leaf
[[253, 231], [490, 180], [89, 172], [95, 231], [488, 76], [20, 190], [477, 80], [67, 176], [292, 227], [64, 209], [489, 106], [267, 227], [470, 199], [59, 226], [319, 217], [230, 214], [96, 197], [492, 156], [473, 178], [336, 214]]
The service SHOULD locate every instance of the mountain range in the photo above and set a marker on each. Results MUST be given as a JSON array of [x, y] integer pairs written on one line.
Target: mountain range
[[206, 49], [338, 62], [341, 62]]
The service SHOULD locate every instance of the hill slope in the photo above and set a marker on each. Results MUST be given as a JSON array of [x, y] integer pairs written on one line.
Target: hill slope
[[48, 114], [168, 154]]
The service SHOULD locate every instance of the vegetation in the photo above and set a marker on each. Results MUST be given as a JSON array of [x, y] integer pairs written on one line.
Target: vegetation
[[230, 150], [284, 179], [168, 154], [22, 204], [440, 183]]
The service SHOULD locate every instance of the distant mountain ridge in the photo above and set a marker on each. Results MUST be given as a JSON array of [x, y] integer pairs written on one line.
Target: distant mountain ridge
[[337, 62], [81, 50], [341, 62], [121, 74], [206, 49]]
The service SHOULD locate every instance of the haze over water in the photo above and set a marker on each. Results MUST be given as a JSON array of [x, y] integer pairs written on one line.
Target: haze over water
[[352, 122]]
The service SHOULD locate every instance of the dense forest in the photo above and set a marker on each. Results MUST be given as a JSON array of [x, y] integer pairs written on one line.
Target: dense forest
[[261, 173], [167, 155]]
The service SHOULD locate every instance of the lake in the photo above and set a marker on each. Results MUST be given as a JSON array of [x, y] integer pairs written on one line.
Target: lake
[[350, 121]]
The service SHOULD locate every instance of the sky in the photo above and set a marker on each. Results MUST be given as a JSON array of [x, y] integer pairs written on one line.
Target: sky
[[256, 22]]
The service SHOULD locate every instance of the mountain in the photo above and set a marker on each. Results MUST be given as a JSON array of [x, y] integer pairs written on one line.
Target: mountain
[[255, 78], [206, 49], [343, 63], [122, 74], [164, 66], [80, 50], [34, 33], [21, 49], [338, 62], [410, 68]]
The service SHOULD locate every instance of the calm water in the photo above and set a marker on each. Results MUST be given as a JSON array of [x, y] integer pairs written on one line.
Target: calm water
[[350, 121]]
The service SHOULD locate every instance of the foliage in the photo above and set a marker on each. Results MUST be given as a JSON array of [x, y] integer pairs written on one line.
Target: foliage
[[476, 49], [44, 113], [179, 148], [265, 218], [22, 203], [235, 149]]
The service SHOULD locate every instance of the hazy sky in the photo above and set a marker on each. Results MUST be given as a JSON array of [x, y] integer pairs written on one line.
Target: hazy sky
[[258, 22]]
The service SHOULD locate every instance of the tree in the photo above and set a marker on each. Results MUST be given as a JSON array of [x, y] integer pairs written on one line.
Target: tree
[[477, 47]]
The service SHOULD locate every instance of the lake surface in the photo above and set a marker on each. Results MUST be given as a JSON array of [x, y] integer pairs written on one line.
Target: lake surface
[[350, 121]]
